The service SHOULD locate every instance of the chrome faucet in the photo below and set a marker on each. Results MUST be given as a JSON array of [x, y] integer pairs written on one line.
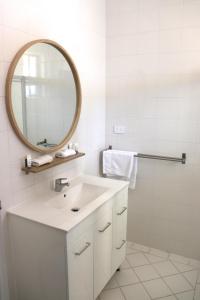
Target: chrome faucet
[[60, 183]]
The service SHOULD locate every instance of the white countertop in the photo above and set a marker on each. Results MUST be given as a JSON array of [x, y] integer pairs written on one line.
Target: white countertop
[[36, 207]]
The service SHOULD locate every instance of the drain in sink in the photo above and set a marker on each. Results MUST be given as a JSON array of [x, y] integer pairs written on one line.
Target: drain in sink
[[75, 209]]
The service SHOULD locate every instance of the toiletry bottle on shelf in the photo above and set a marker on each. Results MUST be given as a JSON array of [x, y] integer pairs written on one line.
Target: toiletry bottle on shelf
[[70, 146], [28, 161], [75, 147]]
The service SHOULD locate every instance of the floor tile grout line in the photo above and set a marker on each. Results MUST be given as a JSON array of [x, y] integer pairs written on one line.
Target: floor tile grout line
[[135, 283], [163, 259], [141, 282], [176, 293], [182, 273], [160, 276], [172, 260], [140, 265], [146, 290], [162, 297], [123, 294], [178, 272], [168, 254], [189, 281], [172, 293], [198, 276], [194, 267], [184, 292]]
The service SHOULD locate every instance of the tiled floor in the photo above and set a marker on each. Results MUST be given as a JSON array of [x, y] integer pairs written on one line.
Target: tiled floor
[[149, 273]]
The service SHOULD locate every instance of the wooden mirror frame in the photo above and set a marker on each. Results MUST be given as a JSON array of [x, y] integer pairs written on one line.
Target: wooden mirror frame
[[9, 105]]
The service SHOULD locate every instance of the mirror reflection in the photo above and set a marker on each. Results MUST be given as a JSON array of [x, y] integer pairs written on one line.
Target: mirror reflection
[[43, 94]]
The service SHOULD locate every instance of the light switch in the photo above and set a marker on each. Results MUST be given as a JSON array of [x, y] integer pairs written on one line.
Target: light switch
[[119, 129]]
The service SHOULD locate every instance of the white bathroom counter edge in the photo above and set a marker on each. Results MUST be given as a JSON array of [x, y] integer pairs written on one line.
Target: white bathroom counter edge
[[23, 210]]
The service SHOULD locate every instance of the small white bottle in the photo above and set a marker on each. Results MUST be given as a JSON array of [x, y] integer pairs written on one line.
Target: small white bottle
[[75, 147], [70, 146], [28, 161]]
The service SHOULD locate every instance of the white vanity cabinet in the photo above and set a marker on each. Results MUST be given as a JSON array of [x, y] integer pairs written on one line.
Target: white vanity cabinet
[[103, 247], [80, 249], [49, 263], [120, 207]]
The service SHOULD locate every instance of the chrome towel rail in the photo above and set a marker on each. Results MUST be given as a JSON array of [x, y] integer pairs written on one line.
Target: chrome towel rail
[[169, 158], [181, 159]]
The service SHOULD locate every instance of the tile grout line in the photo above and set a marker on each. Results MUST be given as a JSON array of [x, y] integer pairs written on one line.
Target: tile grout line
[[198, 277], [168, 254], [182, 273], [141, 282], [162, 278], [123, 293], [163, 259]]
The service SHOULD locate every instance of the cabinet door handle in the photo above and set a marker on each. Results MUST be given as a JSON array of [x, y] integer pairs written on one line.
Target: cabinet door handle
[[83, 250], [121, 212], [122, 244], [106, 227]]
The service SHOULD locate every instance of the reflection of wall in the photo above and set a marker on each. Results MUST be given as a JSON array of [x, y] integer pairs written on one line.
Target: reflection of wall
[[79, 27], [50, 113], [153, 87], [49, 94]]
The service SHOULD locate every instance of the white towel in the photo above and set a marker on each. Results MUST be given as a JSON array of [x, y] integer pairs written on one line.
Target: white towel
[[121, 164], [42, 160], [65, 153]]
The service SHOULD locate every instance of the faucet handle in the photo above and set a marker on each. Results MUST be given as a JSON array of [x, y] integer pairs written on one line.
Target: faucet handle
[[64, 181]]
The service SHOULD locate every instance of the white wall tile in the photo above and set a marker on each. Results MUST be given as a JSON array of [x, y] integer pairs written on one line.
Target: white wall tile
[[123, 24], [117, 6], [156, 91], [148, 19], [190, 39], [191, 10], [170, 15], [170, 40], [148, 42], [125, 45], [13, 39], [3, 73]]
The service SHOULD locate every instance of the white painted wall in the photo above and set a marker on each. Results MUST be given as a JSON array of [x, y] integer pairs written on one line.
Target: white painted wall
[[79, 26], [153, 88]]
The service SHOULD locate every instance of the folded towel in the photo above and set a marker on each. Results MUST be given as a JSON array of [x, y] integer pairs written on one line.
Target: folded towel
[[65, 153], [121, 165], [42, 160]]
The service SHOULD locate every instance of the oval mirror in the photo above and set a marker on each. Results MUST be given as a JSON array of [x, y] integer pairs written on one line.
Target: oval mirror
[[43, 95]]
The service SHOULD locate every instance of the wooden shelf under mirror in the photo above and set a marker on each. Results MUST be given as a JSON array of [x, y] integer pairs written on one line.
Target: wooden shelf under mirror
[[57, 161]]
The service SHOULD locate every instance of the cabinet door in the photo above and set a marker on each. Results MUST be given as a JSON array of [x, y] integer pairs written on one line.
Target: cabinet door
[[80, 267], [120, 206], [102, 248]]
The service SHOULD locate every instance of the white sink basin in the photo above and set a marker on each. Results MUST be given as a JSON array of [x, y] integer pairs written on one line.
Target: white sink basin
[[77, 196], [86, 193]]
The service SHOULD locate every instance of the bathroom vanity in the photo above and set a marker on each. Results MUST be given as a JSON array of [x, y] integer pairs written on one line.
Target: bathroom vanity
[[67, 246]]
